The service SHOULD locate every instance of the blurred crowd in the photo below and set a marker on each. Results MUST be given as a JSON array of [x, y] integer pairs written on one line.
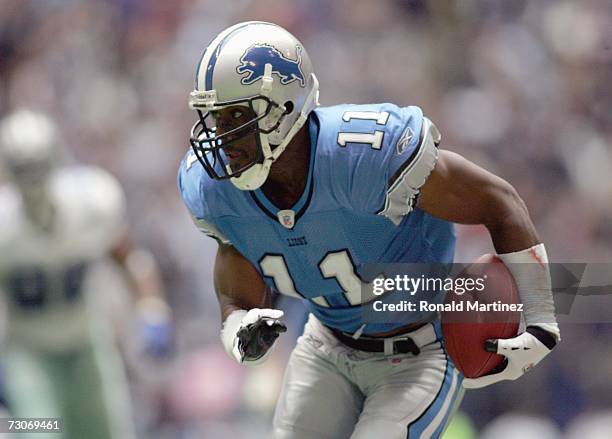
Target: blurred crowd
[[521, 88]]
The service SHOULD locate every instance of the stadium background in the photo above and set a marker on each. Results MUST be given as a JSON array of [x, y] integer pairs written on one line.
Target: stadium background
[[521, 87]]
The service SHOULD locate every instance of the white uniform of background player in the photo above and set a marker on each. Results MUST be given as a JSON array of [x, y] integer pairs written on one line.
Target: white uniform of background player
[[56, 222]]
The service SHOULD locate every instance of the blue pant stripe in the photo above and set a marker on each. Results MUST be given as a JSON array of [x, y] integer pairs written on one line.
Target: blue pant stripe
[[417, 427], [440, 428]]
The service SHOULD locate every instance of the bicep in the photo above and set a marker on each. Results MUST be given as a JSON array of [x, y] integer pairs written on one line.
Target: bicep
[[460, 191], [237, 283]]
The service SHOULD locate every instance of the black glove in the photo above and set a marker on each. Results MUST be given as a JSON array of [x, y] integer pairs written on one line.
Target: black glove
[[255, 339]]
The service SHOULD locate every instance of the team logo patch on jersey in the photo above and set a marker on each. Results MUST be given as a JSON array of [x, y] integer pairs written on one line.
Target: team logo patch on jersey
[[287, 218], [257, 56], [405, 140]]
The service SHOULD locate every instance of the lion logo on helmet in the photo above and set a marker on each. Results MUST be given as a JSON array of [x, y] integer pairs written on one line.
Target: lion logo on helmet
[[255, 58]]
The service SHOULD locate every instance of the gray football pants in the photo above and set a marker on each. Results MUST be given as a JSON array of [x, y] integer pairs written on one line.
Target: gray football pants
[[332, 391]]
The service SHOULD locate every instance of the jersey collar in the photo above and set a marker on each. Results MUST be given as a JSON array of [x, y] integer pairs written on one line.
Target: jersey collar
[[268, 208]]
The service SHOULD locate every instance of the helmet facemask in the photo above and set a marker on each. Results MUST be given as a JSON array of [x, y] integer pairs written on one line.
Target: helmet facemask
[[262, 67], [211, 148]]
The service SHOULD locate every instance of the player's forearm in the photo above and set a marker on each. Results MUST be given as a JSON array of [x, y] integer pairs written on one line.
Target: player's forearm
[[237, 284], [232, 295], [508, 221], [140, 271], [250, 327], [228, 305], [517, 244]]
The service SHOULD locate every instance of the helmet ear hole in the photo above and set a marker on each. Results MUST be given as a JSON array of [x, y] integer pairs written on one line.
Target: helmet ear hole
[[288, 107]]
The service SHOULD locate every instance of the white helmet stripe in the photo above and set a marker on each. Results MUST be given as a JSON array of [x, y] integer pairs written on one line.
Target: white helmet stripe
[[210, 55]]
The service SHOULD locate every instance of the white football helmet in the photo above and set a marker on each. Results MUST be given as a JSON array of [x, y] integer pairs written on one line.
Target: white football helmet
[[263, 67], [29, 146]]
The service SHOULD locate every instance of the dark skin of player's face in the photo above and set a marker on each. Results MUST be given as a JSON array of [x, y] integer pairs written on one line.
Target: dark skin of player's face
[[239, 150], [287, 179]]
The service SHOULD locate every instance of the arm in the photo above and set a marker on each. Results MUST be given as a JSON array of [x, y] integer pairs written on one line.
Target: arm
[[250, 326], [237, 284], [459, 191], [139, 268]]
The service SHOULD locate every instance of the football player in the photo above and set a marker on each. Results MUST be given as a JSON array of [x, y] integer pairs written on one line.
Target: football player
[[300, 197], [57, 221]]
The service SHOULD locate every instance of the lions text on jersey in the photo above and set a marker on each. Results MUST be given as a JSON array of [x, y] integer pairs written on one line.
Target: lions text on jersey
[[367, 164]]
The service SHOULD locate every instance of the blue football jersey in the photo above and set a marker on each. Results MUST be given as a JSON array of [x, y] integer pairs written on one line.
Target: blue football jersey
[[359, 206]]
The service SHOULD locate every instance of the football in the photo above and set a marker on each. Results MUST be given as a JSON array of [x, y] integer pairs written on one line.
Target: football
[[490, 312]]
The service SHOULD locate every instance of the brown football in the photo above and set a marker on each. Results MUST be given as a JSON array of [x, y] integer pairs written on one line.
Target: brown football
[[466, 330]]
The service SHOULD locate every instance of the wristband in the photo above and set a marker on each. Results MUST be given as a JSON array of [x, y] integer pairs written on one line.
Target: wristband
[[531, 273], [229, 332]]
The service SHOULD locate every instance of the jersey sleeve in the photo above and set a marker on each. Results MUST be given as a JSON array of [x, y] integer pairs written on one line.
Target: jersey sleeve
[[407, 175], [191, 187], [387, 172]]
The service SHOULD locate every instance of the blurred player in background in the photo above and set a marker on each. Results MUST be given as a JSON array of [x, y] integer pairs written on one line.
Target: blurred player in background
[[299, 198], [57, 222]]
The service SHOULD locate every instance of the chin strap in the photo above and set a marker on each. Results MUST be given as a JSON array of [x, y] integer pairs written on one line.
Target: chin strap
[[311, 102], [255, 176]]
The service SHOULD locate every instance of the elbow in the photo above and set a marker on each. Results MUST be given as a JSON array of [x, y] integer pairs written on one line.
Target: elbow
[[506, 207], [512, 199]]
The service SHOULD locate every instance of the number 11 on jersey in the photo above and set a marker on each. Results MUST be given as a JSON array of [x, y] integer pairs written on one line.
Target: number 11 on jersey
[[374, 139]]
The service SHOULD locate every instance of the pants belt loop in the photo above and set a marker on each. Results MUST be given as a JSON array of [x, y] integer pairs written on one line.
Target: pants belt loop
[[388, 343]]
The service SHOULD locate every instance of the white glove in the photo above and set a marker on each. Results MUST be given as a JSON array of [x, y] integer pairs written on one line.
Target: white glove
[[522, 353], [248, 336]]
